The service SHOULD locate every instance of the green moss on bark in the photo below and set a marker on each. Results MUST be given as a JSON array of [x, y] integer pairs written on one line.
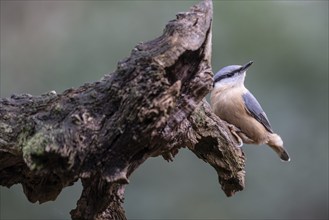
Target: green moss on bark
[[35, 148]]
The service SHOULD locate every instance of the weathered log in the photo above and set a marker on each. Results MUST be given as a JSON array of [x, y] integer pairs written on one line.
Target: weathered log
[[152, 105]]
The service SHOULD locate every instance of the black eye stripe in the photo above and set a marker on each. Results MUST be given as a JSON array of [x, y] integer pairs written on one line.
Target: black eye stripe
[[226, 75], [233, 72], [230, 74]]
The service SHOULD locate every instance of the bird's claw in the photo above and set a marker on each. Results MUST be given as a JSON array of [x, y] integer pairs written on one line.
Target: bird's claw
[[233, 130]]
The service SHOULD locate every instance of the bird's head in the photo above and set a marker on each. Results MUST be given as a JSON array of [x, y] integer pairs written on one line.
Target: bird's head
[[231, 76]]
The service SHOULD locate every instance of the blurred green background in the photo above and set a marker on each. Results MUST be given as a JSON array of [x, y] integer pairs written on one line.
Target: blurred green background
[[55, 45]]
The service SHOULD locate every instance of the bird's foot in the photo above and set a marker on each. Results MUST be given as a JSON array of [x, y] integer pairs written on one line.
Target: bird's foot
[[234, 131]]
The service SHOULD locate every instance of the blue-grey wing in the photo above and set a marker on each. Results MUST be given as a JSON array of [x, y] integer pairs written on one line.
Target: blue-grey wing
[[254, 108]]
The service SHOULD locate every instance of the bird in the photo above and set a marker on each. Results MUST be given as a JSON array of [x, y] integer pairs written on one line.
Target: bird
[[232, 102]]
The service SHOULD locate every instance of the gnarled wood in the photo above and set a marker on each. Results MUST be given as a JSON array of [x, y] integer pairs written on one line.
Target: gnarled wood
[[101, 132]]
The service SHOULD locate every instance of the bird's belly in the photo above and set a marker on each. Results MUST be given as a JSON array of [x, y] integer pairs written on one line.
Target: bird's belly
[[254, 130], [230, 107]]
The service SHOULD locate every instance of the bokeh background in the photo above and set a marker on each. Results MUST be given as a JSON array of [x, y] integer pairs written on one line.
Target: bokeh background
[[55, 45]]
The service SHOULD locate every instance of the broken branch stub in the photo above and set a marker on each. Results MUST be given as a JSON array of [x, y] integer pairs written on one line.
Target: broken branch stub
[[101, 132]]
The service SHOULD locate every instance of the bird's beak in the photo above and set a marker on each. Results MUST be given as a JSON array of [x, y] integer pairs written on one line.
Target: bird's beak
[[246, 66]]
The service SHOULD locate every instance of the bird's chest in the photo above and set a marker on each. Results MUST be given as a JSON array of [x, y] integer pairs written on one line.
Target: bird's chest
[[228, 104]]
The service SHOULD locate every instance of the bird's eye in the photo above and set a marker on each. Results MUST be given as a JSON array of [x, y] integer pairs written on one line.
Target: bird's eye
[[230, 74]]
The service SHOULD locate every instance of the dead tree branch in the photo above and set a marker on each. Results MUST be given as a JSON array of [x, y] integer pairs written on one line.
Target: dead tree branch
[[152, 105]]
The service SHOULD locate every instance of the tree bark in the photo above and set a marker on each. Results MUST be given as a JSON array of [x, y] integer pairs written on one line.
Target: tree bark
[[152, 105]]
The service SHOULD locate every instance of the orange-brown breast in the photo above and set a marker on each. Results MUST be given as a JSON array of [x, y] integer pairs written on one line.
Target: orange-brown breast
[[228, 104]]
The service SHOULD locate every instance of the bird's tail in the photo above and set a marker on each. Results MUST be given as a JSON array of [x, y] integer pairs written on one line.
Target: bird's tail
[[276, 143]]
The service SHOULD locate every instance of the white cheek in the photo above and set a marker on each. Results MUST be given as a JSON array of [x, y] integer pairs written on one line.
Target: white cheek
[[218, 85], [223, 84]]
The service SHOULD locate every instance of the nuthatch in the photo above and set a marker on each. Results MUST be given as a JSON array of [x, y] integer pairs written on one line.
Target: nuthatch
[[232, 102]]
